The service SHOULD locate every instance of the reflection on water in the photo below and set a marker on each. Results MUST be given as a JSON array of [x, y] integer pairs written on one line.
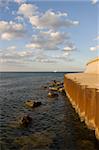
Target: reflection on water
[[55, 125]]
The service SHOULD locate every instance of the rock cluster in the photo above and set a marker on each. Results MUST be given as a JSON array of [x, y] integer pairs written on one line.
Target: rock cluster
[[55, 86]]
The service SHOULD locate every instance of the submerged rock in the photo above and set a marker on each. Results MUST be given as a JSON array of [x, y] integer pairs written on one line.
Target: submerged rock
[[52, 94], [25, 120], [32, 104], [86, 144], [45, 87], [37, 140]]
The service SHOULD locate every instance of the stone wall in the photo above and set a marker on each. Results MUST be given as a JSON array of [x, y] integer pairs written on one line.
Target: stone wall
[[83, 92]]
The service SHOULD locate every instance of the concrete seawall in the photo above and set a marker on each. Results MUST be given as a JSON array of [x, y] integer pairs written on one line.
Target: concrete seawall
[[83, 92]]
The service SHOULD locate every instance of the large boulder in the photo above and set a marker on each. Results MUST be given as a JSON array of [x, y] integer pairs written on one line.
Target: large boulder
[[32, 104]]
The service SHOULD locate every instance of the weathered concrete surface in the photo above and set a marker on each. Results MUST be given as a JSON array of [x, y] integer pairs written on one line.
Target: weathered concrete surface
[[83, 92], [97, 115]]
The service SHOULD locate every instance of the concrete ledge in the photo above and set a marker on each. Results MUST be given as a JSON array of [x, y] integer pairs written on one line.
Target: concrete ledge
[[83, 92]]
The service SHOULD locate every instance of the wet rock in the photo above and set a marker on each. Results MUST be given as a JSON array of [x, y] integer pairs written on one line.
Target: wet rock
[[56, 84], [59, 83], [86, 144], [25, 120], [45, 87], [62, 90], [53, 88], [52, 94], [32, 104], [11, 93]]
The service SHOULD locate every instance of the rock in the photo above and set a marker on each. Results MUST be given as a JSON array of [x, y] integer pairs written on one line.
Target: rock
[[56, 84], [53, 89], [62, 90], [45, 87], [54, 81], [11, 93], [25, 120], [52, 95], [32, 104]]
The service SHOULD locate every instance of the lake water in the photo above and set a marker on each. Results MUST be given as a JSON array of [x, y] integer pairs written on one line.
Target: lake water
[[55, 125]]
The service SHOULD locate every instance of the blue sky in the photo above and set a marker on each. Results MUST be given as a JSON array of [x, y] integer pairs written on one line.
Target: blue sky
[[48, 35]]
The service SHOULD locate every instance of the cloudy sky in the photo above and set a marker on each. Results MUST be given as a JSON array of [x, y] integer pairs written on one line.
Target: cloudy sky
[[46, 35]]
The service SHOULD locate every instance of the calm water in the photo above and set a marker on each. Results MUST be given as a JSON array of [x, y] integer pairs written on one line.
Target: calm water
[[55, 124]]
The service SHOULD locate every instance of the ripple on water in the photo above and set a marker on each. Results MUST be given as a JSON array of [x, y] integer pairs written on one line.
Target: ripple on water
[[55, 125]]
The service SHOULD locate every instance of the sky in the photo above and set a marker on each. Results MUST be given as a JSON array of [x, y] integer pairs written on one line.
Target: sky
[[48, 35]]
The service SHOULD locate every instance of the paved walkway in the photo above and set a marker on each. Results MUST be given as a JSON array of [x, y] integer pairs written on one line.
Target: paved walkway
[[92, 80]]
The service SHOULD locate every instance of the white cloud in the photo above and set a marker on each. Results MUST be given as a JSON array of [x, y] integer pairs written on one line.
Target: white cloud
[[48, 20], [97, 38], [25, 53], [19, 1], [94, 1], [4, 3], [11, 48], [51, 20], [33, 46], [61, 56], [45, 42], [54, 58], [70, 47], [27, 10], [11, 55], [7, 36], [10, 30], [3, 26], [94, 48], [48, 40], [44, 59]]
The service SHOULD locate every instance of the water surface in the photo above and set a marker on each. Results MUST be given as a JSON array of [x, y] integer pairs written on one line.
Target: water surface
[[55, 124]]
